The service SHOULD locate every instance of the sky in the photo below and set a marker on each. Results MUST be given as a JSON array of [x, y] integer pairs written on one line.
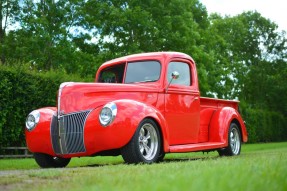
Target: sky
[[275, 10]]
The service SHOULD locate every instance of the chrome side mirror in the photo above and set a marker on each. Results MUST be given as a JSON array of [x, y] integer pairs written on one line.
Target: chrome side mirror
[[174, 76]]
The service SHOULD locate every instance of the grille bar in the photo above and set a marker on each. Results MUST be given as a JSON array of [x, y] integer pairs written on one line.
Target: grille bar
[[68, 133]]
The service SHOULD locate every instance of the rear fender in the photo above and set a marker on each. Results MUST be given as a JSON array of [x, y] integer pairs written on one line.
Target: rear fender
[[220, 122]]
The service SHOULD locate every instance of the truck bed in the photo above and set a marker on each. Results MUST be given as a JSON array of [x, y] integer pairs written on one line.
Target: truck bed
[[206, 102], [208, 106]]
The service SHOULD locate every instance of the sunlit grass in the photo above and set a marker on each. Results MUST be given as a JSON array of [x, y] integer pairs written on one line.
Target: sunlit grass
[[259, 167]]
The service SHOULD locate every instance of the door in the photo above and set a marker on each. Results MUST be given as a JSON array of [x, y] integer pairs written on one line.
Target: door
[[182, 103]]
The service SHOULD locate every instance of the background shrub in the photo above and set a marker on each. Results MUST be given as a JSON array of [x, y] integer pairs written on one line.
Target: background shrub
[[264, 125], [23, 90]]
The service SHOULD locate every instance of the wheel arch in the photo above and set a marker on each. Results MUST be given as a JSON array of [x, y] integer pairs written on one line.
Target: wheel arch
[[164, 142], [239, 126], [220, 122], [143, 111]]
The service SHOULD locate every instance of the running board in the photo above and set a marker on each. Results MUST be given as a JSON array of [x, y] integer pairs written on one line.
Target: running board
[[196, 147]]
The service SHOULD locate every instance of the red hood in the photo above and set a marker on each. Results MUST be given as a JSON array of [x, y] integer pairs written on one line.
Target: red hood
[[75, 97]]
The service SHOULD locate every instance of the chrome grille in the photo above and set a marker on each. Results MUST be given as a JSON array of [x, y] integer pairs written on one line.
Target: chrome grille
[[68, 133]]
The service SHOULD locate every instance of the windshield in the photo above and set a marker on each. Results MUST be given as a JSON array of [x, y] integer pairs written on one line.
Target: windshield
[[136, 72], [143, 71]]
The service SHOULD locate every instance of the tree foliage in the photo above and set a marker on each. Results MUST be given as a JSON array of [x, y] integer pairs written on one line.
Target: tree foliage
[[126, 27], [9, 10], [240, 57], [252, 55]]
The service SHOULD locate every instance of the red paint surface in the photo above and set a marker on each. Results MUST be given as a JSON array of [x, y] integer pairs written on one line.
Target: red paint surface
[[39, 139], [187, 121]]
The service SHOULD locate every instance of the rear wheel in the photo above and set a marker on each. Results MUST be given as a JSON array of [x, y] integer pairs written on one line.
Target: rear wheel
[[48, 161], [145, 145], [234, 142]]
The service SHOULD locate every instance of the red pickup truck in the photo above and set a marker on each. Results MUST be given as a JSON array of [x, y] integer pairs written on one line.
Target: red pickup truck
[[141, 106]]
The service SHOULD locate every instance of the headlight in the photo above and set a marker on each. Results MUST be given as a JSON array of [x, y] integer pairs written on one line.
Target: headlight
[[32, 120], [108, 114]]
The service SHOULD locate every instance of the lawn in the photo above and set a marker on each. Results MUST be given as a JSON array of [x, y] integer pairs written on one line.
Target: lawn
[[259, 167]]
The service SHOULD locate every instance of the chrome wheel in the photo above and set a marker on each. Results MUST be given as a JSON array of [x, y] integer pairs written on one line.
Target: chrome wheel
[[148, 141], [145, 145], [235, 141]]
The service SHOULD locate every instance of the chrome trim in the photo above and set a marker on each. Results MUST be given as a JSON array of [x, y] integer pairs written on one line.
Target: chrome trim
[[67, 133], [53, 128], [36, 115], [113, 108], [59, 97]]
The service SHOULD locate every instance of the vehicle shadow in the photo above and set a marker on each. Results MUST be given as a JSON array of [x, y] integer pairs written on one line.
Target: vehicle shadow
[[166, 160], [186, 159]]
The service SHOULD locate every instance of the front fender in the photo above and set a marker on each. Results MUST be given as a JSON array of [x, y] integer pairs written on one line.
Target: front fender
[[39, 139], [116, 135], [220, 122]]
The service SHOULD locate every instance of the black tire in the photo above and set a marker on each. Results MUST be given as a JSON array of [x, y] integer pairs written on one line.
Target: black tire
[[48, 161], [234, 142], [161, 156], [145, 145]]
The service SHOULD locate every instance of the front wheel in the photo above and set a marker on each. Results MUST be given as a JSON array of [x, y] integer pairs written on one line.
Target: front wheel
[[234, 142], [48, 161], [145, 145]]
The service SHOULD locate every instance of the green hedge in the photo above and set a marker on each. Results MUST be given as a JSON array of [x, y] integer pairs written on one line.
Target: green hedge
[[264, 125], [23, 90]]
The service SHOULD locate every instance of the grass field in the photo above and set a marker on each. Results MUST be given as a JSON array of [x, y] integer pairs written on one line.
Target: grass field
[[259, 167]]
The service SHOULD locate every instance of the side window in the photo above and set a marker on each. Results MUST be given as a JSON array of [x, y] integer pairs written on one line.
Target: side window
[[112, 74], [108, 77], [184, 73]]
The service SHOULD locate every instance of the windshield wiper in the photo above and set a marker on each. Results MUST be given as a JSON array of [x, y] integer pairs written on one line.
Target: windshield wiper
[[142, 81]]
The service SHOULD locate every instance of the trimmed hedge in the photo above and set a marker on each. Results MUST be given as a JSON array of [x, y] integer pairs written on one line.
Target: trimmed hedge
[[23, 90], [265, 125]]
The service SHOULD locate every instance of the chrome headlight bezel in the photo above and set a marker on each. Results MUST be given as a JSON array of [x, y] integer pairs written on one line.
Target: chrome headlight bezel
[[108, 114], [32, 120]]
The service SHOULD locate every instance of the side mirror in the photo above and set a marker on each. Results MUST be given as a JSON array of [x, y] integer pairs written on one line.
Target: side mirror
[[174, 76]]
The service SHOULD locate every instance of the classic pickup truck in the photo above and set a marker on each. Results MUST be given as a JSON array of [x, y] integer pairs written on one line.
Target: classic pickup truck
[[140, 106]]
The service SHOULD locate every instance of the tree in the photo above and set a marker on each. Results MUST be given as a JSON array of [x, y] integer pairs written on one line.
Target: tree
[[45, 25], [49, 37], [131, 26], [9, 10], [240, 44]]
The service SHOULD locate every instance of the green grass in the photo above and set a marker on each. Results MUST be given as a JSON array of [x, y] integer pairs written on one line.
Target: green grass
[[259, 167]]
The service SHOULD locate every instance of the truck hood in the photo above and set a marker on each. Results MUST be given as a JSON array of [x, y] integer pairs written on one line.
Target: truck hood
[[76, 97]]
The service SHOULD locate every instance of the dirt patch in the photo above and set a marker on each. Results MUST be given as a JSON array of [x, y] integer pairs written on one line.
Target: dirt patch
[[25, 179]]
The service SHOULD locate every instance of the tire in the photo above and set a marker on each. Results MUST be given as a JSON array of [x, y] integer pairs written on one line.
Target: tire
[[145, 145], [234, 142], [161, 154], [48, 161]]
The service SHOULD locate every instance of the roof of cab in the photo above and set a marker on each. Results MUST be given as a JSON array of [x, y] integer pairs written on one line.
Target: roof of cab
[[148, 55]]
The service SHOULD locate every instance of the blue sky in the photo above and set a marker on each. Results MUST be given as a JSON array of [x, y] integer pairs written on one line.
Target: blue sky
[[275, 10]]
